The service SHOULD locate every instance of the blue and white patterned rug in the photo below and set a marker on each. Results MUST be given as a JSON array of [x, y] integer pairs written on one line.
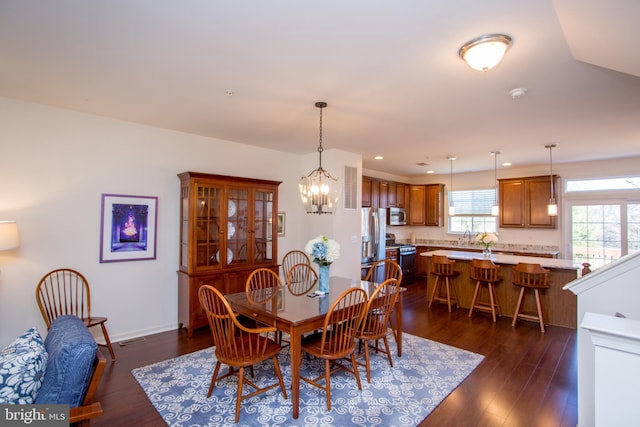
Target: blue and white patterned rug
[[403, 395]]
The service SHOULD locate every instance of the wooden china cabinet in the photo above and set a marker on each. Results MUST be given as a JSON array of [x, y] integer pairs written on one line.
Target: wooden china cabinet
[[227, 230]]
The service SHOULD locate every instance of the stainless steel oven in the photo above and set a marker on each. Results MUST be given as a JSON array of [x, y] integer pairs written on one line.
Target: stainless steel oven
[[407, 260]]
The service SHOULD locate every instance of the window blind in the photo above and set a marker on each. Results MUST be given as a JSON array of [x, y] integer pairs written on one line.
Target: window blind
[[473, 202]]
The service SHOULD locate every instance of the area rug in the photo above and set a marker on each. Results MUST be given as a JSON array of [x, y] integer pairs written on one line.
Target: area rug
[[404, 395]]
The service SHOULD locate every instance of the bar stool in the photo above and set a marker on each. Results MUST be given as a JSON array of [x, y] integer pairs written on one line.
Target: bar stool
[[485, 272], [442, 267], [534, 277]]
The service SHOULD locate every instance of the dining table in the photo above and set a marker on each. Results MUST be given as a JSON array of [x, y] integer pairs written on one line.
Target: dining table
[[301, 314]]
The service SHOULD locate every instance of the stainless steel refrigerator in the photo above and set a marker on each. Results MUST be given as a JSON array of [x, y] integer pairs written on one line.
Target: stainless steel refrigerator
[[373, 229]]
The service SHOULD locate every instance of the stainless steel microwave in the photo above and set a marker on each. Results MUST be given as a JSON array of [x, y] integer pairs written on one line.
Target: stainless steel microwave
[[396, 216]]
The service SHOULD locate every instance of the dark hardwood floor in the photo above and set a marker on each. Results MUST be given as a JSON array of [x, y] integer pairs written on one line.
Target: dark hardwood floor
[[527, 378]]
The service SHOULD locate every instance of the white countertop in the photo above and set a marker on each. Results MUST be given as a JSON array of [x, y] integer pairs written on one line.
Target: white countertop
[[565, 264]]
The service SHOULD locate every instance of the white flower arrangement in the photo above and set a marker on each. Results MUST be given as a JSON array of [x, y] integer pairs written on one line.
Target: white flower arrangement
[[486, 239], [323, 250]]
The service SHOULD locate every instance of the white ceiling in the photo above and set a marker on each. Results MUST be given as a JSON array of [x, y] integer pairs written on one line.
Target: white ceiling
[[389, 71]]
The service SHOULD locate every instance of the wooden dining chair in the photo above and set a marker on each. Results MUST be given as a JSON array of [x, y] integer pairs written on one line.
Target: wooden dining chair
[[374, 326], [443, 268], [301, 279], [337, 339], [293, 258], [392, 270], [533, 277], [238, 346], [262, 287], [66, 291], [485, 272]]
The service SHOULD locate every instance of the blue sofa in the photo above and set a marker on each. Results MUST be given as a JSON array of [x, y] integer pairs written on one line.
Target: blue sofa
[[65, 369]]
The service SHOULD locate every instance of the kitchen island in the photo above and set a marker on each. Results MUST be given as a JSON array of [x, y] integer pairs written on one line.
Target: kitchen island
[[559, 306]]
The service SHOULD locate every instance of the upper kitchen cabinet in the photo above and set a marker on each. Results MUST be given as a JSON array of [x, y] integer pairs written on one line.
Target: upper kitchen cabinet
[[378, 193], [523, 202], [366, 192], [425, 205]]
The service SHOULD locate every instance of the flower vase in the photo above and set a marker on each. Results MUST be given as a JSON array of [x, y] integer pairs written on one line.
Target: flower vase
[[323, 279], [487, 252]]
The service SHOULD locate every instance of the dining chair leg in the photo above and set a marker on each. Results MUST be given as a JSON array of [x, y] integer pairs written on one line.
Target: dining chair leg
[[433, 291], [108, 342], [448, 285], [474, 300], [386, 345], [492, 301], [355, 370], [276, 368], [327, 382], [515, 316], [539, 304], [213, 378], [239, 393], [366, 361]]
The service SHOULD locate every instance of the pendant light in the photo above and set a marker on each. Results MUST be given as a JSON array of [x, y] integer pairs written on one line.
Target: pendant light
[[319, 190], [452, 208], [495, 209], [552, 207]]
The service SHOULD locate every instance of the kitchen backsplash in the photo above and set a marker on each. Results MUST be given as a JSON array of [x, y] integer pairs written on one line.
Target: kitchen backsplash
[[504, 247]]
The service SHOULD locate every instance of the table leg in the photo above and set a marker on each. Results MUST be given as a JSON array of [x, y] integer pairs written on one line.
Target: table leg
[[399, 325], [295, 348]]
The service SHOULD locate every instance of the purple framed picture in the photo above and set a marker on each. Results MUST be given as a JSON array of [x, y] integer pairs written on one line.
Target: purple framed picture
[[128, 228]]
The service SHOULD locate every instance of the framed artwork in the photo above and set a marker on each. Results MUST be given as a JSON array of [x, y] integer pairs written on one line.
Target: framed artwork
[[128, 228], [281, 223]]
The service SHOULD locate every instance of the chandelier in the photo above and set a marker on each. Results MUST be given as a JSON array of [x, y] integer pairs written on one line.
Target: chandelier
[[320, 191]]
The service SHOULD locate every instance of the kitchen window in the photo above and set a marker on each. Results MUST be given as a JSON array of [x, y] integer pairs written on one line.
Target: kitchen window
[[604, 217], [473, 211]]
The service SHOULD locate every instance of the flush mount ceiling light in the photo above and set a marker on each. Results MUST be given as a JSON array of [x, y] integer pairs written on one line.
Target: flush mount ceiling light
[[319, 190], [552, 207], [485, 52]]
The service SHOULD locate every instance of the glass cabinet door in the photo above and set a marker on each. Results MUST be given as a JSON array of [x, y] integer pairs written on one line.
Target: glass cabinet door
[[238, 236], [263, 225], [208, 223]]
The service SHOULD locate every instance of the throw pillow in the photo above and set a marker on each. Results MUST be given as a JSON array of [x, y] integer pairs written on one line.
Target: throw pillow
[[22, 367]]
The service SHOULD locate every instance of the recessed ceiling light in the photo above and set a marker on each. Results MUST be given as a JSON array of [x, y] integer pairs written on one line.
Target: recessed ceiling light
[[378, 158], [505, 164], [431, 171]]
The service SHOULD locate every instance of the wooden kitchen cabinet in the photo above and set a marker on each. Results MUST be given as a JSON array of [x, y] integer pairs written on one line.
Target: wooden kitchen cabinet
[[375, 194], [400, 195], [366, 192], [433, 207], [392, 195], [417, 198], [425, 205], [378, 193], [523, 202], [383, 191], [391, 254], [227, 229]]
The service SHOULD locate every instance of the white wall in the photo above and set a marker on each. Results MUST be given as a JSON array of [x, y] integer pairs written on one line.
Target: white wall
[[55, 165]]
